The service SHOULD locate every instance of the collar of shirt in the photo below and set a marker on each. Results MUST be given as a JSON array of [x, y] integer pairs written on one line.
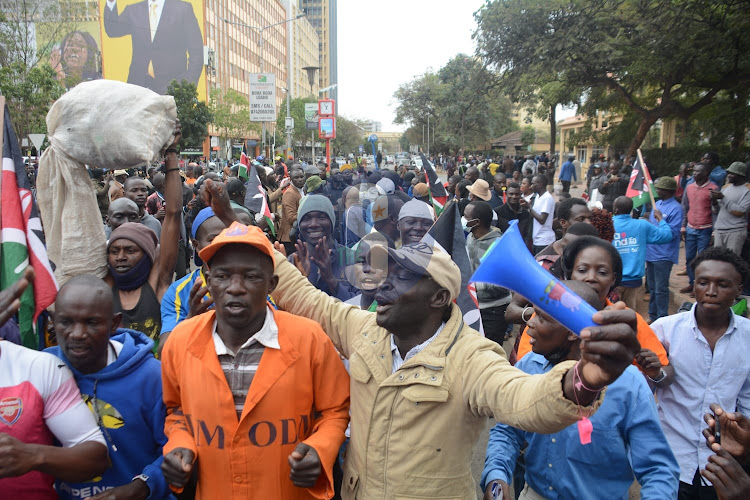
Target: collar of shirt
[[398, 361], [268, 336], [697, 334]]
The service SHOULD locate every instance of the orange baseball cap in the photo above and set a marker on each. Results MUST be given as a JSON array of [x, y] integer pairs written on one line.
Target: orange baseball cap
[[241, 234]]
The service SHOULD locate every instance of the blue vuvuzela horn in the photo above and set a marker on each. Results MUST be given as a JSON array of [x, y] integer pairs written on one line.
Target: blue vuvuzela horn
[[509, 264]]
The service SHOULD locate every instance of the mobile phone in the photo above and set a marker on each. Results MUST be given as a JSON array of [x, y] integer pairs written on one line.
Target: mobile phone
[[717, 429]]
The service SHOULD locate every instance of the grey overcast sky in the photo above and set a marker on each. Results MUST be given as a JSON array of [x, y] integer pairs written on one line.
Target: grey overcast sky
[[386, 43]]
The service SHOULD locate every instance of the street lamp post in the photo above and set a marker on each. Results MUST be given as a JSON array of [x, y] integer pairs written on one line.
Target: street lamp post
[[260, 32], [311, 70]]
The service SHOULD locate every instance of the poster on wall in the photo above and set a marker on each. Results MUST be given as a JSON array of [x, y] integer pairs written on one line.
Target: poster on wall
[[72, 49], [151, 47]]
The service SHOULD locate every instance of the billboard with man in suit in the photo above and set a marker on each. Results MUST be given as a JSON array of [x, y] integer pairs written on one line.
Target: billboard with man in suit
[[152, 42]]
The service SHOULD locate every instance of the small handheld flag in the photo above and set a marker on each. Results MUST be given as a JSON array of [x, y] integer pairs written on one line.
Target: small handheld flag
[[640, 187]]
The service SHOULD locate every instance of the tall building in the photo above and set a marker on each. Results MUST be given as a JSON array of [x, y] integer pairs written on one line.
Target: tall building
[[323, 16], [240, 50], [303, 51]]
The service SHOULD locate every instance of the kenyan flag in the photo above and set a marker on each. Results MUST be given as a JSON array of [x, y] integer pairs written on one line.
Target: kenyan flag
[[640, 184], [438, 195], [22, 240]]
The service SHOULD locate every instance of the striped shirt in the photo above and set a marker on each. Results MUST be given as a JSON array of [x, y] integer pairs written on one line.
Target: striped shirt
[[398, 361], [239, 368]]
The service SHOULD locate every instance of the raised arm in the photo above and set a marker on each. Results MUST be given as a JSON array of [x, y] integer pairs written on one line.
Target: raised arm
[[550, 402], [170, 228], [297, 295]]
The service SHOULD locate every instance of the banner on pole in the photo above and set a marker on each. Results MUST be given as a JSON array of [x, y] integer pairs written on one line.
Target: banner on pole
[[262, 97], [311, 116]]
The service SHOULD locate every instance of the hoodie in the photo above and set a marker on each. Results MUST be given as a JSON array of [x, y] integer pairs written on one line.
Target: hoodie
[[128, 395]]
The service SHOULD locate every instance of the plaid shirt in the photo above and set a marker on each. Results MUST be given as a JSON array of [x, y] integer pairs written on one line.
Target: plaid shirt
[[239, 368]]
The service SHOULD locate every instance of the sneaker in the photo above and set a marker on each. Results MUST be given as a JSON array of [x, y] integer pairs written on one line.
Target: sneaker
[[683, 272], [687, 289]]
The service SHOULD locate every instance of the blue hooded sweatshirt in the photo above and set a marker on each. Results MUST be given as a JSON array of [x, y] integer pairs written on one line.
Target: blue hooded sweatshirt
[[128, 394]]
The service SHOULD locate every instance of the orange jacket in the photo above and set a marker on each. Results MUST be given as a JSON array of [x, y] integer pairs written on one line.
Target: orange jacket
[[646, 337], [299, 393]]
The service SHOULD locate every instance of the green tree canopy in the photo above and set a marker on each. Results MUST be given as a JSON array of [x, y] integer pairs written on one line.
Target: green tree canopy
[[654, 59], [230, 112], [29, 93], [348, 136], [463, 102], [300, 134], [193, 114]]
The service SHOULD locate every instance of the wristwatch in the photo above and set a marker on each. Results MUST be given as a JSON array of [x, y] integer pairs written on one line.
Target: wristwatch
[[662, 376]]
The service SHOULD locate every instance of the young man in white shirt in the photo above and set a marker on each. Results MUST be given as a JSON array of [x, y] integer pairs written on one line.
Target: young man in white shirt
[[542, 211]]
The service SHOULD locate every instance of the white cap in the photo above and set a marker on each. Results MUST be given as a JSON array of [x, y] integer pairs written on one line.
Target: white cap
[[417, 209], [386, 186]]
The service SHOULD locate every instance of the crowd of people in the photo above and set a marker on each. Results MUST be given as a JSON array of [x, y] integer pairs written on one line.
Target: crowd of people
[[316, 350]]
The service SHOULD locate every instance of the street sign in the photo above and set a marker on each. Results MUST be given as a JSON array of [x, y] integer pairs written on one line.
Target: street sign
[[361, 149], [262, 97], [289, 123], [311, 116], [37, 140]]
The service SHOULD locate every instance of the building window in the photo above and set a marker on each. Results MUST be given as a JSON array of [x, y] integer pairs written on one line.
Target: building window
[[582, 154], [596, 151]]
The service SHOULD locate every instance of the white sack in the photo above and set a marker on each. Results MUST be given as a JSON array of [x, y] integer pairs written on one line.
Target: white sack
[[104, 124]]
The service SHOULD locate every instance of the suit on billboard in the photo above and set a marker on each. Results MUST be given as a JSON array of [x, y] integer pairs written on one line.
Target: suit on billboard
[[176, 51]]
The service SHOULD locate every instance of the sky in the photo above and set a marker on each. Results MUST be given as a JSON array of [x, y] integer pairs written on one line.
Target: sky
[[387, 43]]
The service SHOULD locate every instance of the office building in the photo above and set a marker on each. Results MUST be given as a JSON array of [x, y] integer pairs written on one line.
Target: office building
[[238, 51], [303, 52], [323, 16]]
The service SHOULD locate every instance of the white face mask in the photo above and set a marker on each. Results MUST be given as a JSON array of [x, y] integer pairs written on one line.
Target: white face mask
[[465, 226]]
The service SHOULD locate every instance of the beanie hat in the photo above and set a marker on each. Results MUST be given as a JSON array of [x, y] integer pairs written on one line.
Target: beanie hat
[[316, 203], [313, 183], [139, 234]]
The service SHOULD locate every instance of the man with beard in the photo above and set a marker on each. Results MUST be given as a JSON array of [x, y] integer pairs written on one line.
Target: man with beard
[[107, 363], [41, 404], [256, 398]]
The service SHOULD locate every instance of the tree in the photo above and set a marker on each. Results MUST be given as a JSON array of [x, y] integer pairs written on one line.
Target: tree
[[193, 114], [300, 134], [528, 136], [230, 112], [463, 103], [348, 136], [403, 141], [657, 59], [28, 82], [29, 93]]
